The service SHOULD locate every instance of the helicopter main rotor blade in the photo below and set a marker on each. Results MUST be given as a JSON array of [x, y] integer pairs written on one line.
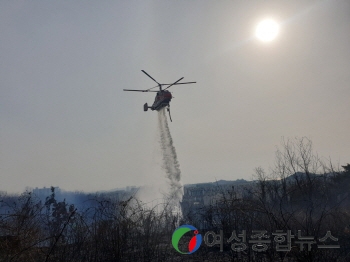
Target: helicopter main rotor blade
[[174, 83], [171, 84], [136, 90], [152, 88], [181, 83], [150, 76]]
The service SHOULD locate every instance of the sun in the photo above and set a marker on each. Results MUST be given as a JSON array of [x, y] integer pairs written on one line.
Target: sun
[[267, 30]]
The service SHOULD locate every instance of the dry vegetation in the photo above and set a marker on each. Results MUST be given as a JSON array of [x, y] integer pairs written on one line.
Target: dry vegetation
[[299, 193]]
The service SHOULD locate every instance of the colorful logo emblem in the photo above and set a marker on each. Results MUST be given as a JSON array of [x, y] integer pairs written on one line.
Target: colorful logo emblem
[[194, 243]]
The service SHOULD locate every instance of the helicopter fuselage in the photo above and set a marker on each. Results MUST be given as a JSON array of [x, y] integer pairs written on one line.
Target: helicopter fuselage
[[161, 100]]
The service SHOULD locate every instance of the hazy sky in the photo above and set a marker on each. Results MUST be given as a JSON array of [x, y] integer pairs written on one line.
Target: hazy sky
[[65, 120]]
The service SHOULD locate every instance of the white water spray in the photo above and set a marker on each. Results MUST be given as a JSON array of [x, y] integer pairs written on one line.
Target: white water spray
[[170, 162]]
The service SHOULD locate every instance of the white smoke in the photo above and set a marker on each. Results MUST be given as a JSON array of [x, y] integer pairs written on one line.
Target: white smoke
[[170, 162]]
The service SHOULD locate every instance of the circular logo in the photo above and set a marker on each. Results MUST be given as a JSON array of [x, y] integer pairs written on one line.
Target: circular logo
[[194, 243]]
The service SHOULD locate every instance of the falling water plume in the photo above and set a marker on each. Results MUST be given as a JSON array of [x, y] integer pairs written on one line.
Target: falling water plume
[[170, 162]]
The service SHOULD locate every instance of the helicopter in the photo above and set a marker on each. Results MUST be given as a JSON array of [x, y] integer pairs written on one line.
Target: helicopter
[[163, 96]]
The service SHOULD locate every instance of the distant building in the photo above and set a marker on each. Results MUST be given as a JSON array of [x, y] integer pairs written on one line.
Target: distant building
[[197, 196], [43, 193]]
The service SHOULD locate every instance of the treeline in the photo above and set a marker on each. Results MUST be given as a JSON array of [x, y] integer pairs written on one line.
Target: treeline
[[300, 199], [301, 195], [109, 230]]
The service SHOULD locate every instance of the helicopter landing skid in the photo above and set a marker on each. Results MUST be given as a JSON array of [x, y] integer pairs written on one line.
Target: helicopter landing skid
[[168, 109]]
